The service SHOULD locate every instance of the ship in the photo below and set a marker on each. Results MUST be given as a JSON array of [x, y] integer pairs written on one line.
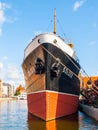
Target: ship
[[51, 72]]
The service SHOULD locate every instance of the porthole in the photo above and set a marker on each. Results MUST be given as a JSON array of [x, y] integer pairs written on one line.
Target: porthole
[[55, 41], [39, 41]]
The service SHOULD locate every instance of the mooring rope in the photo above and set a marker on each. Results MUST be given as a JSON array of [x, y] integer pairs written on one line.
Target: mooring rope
[[84, 73]]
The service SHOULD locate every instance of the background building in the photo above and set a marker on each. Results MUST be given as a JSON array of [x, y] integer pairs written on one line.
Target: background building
[[85, 81], [7, 90]]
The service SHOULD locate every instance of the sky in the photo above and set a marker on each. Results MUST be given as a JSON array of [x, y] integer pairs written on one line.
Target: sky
[[22, 20]]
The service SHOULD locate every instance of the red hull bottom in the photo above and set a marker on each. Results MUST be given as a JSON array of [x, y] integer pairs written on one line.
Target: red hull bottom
[[49, 105]]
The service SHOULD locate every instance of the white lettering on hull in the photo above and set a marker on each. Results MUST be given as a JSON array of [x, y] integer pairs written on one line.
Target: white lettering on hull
[[68, 72]]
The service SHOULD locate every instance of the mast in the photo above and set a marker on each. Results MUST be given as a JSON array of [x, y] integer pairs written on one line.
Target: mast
[[54, 21]]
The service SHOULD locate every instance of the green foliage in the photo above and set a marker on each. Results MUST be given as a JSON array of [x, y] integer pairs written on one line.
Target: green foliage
[[17, 93], [18, 90]]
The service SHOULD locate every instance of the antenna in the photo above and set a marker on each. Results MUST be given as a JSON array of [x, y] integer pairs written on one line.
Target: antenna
[[54, 21]]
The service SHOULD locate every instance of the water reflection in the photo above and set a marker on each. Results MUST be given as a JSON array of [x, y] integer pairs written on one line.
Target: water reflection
[[14, 116], [87, 123], [65, 123]]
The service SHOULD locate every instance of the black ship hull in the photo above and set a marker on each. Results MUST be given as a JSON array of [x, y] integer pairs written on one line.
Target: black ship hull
[[52, 82]]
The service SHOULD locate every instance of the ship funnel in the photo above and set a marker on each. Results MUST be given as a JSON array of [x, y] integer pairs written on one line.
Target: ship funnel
[[54, 21]]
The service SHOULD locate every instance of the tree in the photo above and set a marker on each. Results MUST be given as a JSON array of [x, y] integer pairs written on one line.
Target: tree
[[19, 89]]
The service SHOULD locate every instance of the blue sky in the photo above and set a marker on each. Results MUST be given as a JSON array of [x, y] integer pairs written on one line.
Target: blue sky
[[21, 20]]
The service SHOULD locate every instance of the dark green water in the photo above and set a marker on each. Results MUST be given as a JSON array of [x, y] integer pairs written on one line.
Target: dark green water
[[14, 116]]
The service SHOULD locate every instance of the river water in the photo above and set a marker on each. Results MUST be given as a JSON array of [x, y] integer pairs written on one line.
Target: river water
[[14, 116]]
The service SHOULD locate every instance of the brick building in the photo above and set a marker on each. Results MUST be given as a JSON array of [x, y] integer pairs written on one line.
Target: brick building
[[85, 81]]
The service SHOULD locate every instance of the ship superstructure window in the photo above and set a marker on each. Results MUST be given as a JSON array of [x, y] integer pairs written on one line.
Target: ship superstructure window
[[39, 41], [40, 68]]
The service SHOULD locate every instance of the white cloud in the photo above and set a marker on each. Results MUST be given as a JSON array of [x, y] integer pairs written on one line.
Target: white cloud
[[1, 65], [11, 74], [2, 20], [5, 58], [0, 31], [78, 4], [2, 17], [3, 7]]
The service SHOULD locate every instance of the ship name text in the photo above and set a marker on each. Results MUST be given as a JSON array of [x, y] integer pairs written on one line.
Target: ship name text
[[68, 72]]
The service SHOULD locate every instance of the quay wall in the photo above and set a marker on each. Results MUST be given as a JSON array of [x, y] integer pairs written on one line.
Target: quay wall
[[7, 99]]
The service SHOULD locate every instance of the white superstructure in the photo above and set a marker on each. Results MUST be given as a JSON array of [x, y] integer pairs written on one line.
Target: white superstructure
[[52, 39]]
